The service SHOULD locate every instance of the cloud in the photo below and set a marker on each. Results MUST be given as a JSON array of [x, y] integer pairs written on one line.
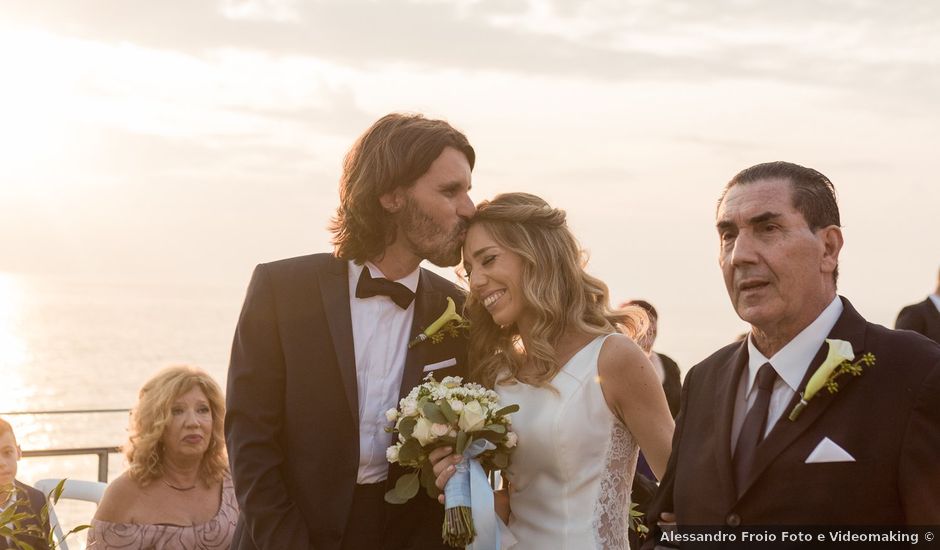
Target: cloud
[[829, 43], [873, 53]]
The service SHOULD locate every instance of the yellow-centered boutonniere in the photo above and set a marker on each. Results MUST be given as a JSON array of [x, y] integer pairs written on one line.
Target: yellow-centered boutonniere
[[838, 361], [450, 323]]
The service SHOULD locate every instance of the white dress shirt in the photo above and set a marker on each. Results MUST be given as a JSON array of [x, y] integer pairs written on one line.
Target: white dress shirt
[[380, 337], [790, 363], [935, 298]]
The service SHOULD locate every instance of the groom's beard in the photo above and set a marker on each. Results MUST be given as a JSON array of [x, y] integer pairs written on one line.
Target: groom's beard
[[429, 239]]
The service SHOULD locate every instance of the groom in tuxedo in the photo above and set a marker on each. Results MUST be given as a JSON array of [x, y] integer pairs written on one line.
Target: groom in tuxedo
[[863, 455], [321, 350]]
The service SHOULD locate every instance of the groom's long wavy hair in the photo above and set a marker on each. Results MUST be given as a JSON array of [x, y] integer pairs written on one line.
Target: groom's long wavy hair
[[394, 152], [556, 289]]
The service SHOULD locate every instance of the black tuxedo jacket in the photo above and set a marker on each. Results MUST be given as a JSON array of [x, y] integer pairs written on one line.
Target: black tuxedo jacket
[[922, 317], [31, 501], [888, 419], [672, 383], [292, 407]]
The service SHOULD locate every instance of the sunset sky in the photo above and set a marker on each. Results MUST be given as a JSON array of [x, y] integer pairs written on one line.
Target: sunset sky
[[185, 140]]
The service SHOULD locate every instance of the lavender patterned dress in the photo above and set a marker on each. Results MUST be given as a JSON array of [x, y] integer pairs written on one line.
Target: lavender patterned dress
[[215, 533]]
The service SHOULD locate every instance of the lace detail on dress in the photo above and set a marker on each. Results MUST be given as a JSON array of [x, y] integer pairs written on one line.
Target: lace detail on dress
[[612, 510]]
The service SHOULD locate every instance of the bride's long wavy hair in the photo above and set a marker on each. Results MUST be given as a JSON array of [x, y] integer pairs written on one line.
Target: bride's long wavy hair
[[556, 289]]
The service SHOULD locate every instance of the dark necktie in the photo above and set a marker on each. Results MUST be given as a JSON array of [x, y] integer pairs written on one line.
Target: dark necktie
[[752, 431], [368, 287]]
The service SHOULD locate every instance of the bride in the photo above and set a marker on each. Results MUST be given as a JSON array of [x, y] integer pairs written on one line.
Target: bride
[[543, 336]]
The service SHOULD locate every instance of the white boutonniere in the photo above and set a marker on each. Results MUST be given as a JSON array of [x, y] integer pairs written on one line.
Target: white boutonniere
[[838, 362], [449, 323]]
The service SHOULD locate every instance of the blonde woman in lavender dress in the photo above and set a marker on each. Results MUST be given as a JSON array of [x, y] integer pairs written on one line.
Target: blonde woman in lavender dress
[[544, 337], [177, 493]]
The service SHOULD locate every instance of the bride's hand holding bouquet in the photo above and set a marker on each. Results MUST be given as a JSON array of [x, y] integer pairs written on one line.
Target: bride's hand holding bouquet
[[467, 419]]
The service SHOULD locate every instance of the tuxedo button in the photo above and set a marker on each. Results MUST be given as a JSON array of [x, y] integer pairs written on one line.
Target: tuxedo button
[[733, 520]]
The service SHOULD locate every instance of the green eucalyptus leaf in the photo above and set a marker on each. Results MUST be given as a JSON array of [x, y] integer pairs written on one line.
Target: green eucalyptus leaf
[[463, 441], [508, 409], [407, 426], [433, 413], [448, 412], [405, 488], [409, 451], [428, 479]]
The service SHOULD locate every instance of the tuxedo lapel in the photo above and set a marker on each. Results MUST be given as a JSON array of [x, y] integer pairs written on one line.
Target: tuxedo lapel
[[849, 327], [334, 289], [726, 393], [429, 304]]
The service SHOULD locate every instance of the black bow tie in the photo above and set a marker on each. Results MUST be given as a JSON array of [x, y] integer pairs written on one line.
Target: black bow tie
[[369, 287]]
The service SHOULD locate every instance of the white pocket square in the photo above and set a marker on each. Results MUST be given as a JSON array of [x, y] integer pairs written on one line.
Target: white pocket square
[[440, 364], [828, 451]]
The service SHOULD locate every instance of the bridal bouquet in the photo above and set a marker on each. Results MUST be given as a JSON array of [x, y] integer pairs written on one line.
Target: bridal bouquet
[[467, 418]]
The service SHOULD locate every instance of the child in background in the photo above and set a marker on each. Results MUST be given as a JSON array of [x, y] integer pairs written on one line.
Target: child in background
[[20, 495]]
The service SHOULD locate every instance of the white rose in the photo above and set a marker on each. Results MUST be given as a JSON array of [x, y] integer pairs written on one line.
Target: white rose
[[456, 405], [391, 415], [409, 408], [392, 453], [439, 430], [422, 431], [511, 439], [472, 417]]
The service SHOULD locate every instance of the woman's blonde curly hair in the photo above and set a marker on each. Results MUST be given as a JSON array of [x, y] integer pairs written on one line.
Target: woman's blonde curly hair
[[556, 289], [144, 450]]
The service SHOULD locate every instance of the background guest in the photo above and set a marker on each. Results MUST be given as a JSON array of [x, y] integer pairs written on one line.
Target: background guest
[[666, 368], [753, 446], [644, 482], [923, 317], [22, 497], [176, 492]]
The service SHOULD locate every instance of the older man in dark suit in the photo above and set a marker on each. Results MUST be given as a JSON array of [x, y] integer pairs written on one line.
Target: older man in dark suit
[[863, 454], [321, 350], [923, 317]]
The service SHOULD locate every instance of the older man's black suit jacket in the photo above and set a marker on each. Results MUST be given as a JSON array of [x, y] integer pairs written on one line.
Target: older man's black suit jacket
[[888, 419], [922, 317], [292, 420]]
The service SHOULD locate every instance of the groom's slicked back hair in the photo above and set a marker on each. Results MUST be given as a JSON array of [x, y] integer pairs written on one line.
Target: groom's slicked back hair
[[396, 151], [814, 195]]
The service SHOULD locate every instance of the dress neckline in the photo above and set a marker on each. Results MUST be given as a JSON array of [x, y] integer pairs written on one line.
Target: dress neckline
[[226, 482], [582, 348]]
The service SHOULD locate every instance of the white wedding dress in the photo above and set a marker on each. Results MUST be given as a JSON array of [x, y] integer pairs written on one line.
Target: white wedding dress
[[571, 474]]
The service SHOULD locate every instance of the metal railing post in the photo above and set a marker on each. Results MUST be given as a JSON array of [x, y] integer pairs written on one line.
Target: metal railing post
[[103, 467]]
